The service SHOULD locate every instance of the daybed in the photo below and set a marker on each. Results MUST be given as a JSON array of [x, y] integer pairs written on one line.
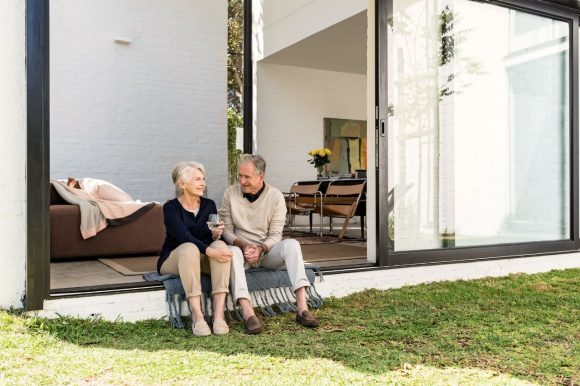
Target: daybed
[[143, 236]]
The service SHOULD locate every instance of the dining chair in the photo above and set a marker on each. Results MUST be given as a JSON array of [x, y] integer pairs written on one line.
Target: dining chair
[[301, 200], [340, 200]]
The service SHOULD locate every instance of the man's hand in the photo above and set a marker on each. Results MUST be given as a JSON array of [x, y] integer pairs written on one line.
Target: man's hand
[[221, 255], [252, 253], [238, 242]]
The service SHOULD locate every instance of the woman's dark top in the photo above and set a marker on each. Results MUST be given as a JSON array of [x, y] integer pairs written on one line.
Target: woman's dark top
[[182, 226]]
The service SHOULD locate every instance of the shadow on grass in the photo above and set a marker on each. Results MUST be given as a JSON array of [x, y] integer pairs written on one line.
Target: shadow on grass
[[525, 326]]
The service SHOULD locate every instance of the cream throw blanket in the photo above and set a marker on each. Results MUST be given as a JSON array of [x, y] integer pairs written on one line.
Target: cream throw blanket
[[101, 203]]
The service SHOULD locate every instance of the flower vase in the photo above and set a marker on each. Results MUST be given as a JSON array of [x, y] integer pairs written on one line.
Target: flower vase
[[319, 170]]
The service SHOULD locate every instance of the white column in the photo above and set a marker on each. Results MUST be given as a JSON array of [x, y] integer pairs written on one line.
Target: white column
[[12, 154]]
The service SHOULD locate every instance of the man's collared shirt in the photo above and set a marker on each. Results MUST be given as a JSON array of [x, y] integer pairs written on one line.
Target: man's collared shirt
[[253, 197]]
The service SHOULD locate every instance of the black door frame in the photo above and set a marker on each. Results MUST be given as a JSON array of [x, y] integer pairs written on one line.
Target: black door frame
[[248, 97], [38, 147], [387, 257], [38, 154]]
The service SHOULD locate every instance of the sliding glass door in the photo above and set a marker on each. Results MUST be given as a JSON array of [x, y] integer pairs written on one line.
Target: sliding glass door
[[478, 129]]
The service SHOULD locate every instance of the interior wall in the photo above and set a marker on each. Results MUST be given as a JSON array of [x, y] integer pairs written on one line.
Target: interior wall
[[292, 103], [127, 112], [12, 154]]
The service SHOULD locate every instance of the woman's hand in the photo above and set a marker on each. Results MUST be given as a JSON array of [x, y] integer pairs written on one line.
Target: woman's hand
[[221, 255], [217, 232]]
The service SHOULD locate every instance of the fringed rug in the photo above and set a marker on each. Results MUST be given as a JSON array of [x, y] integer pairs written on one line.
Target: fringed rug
[[132, 266], [270, 291]]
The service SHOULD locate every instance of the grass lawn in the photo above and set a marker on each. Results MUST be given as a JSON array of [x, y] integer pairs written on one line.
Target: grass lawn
[[515, 330]]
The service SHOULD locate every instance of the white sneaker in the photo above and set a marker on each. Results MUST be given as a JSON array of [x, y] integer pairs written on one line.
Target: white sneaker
[[200, 328]]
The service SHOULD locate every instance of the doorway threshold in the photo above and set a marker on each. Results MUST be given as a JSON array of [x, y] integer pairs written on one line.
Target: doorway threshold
[[105, 289]]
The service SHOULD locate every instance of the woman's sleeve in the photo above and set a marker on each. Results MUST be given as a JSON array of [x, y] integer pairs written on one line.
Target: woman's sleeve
[[176, 228], [212, 207]]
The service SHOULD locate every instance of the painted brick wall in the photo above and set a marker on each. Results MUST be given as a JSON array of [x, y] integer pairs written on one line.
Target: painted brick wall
[[292, 102], [12, 154], [127, 113]]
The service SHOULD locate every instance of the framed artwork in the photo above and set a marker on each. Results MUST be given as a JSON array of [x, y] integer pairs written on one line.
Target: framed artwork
[[347, 139]]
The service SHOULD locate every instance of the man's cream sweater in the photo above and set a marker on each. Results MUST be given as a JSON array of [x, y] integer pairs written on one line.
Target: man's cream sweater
[[258, 222]]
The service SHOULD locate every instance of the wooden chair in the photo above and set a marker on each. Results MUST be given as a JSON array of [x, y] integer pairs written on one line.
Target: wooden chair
[[340, 200], [301, 200]]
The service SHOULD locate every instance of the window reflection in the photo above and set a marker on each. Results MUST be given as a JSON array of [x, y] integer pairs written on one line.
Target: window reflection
[[478, 125]]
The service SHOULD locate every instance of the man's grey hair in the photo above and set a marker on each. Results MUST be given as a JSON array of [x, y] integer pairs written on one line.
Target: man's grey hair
[[256, 160], [182, 172]]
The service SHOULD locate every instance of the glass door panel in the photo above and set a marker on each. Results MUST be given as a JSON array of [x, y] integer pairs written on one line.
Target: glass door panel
[[478, 125]]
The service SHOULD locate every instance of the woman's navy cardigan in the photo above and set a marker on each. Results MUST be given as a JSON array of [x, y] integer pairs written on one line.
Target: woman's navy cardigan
[[182, 226]]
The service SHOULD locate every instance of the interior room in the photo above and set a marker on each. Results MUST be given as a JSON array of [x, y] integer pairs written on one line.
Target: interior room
[[312, 94], [128, 102]]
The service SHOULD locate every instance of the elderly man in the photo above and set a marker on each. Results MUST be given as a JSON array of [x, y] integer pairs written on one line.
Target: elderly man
[[254, 214]]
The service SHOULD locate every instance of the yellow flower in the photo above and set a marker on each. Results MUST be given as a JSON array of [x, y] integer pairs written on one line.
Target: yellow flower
[[322, 152]]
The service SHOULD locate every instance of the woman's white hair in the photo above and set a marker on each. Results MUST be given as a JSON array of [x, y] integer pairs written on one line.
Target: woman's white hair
[[182, 172]]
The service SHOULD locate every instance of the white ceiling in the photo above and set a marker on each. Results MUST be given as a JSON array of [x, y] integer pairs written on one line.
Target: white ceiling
[[341, 47]]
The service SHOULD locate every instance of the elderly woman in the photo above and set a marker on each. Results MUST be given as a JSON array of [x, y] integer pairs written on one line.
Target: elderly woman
[[190, 246]]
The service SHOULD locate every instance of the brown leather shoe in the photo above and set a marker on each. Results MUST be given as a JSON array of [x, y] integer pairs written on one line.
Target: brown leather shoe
[[306, 319], [253, 325]]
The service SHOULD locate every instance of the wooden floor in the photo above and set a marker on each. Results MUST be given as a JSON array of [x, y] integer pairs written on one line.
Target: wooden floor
[[325, 252]]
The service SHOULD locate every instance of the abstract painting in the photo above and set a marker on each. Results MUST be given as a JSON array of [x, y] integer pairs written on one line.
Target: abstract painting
[[347, 139]]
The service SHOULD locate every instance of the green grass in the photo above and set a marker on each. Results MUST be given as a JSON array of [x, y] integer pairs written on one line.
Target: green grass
[[514, 330]]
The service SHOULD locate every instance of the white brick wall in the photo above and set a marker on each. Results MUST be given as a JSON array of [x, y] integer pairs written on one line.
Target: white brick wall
[[12, 154], [127, 113], [292, 102]]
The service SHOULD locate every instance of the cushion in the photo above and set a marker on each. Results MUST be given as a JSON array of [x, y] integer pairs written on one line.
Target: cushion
[[104, 190]]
